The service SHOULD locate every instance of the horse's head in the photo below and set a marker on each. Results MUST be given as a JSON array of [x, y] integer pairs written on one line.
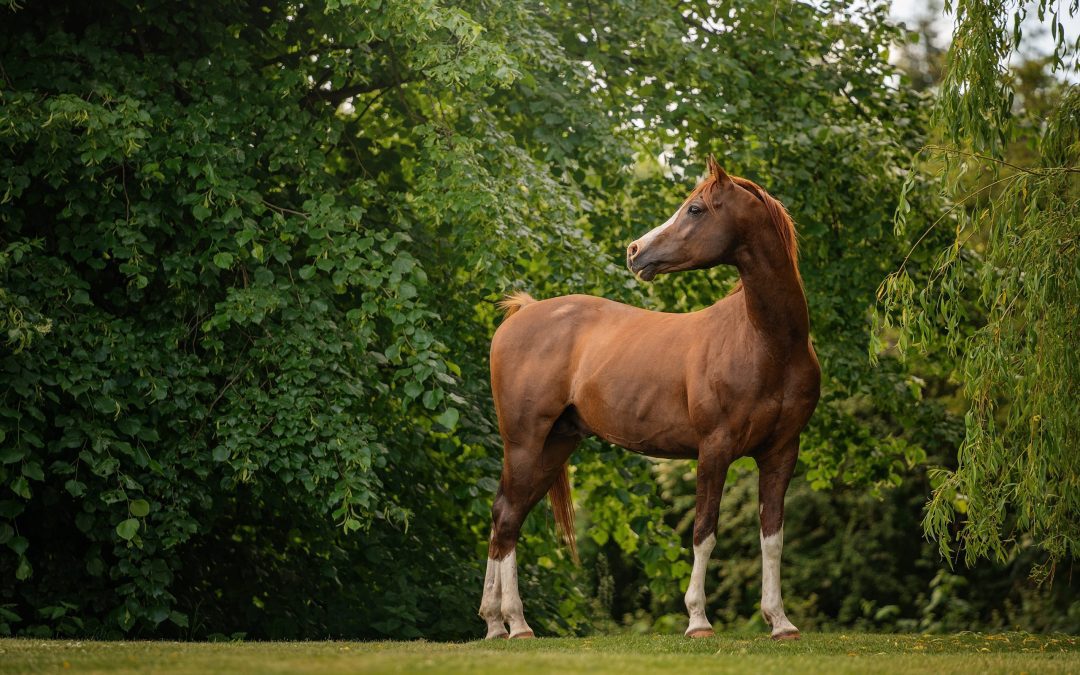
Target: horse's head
[[704, 231]]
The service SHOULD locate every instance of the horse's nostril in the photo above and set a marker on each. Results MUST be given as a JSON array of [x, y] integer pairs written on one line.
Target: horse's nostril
[[632, 250]]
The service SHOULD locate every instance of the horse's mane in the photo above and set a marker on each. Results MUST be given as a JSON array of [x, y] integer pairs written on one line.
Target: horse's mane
[[785, 227]]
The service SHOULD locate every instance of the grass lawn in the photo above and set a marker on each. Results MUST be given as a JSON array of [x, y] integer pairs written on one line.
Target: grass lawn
[[625, 655]]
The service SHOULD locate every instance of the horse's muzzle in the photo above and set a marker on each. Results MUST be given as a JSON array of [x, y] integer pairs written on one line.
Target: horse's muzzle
[[645, 272]]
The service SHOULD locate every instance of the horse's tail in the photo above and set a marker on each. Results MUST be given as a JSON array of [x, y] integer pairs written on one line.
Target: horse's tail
[[563, 507], [515, 301]]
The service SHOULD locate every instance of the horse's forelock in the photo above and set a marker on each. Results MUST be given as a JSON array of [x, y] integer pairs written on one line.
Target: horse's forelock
[[705, 190]]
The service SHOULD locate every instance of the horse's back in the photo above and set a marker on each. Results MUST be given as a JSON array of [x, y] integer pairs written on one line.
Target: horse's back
[[622, 368], [554, 320], [546, 330], [555, 329]]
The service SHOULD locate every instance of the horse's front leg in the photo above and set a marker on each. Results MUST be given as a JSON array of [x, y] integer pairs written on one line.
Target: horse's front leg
[[713, 461], [775, 469]]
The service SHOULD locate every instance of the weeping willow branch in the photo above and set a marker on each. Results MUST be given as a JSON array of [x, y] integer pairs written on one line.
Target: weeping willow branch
[[1040, 171], [945, 215], [1010, 313]]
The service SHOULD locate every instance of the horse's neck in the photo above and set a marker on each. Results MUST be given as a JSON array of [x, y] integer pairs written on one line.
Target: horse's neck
[[774, 297]]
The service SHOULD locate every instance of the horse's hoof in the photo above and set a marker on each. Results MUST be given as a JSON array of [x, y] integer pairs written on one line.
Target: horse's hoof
[[524, 635], [497, 636], [787, 635], [701, 633]]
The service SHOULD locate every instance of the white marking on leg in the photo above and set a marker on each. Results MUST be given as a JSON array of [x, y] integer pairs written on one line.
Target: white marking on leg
[[491, 604], [772, 604], [695, 592], [512, 611]]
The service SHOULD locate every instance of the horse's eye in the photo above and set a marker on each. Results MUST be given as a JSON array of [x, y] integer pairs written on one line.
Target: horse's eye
[[694, 209]]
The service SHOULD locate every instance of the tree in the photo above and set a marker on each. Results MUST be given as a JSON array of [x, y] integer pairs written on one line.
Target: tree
[[233, 306], [1014, 265], [249, 255]]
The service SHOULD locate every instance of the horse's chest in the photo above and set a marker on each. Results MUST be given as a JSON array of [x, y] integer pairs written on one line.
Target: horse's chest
[[753, 398]]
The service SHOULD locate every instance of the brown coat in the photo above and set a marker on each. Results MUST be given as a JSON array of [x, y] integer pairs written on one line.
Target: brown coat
[[738, 378]]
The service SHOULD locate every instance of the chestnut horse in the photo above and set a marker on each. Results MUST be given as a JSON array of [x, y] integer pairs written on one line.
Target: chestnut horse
[[737, 379]]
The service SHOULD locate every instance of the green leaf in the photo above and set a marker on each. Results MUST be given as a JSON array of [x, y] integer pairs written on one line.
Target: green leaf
[[129, 425], [21, 487], [24, 571], [95, 567], [19, 545], [432, 398], [75, 488], [223, 260], [179, 618], [33, 471], [12, 454], [127, 529], [139, 508], [448, 418]]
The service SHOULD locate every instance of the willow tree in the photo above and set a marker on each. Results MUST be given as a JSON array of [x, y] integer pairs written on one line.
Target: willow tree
[[1002, 295]]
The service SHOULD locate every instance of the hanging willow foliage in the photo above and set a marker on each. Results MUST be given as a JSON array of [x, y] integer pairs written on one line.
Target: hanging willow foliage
[[1007, 308]]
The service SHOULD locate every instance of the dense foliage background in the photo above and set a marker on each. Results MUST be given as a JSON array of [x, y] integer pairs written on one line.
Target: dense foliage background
[[248, 259]]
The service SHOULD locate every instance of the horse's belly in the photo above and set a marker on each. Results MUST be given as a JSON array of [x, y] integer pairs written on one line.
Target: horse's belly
[[657, 425]]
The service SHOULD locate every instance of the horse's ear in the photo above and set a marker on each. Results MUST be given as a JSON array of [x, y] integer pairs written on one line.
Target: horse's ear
[[715, 170]]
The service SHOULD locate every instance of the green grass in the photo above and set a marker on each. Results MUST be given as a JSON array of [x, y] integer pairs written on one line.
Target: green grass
[[624, 655]]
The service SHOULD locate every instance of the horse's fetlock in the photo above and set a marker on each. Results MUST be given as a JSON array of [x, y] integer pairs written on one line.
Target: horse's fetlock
[[490, 607], [512, 608], [694, 600], [769, 616]]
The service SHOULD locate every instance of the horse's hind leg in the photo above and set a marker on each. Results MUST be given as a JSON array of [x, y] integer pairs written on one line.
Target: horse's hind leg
[[528, 473]]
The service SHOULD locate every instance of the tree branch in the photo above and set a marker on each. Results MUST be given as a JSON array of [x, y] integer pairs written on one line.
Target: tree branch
[[336, 96], [1039, 171]]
